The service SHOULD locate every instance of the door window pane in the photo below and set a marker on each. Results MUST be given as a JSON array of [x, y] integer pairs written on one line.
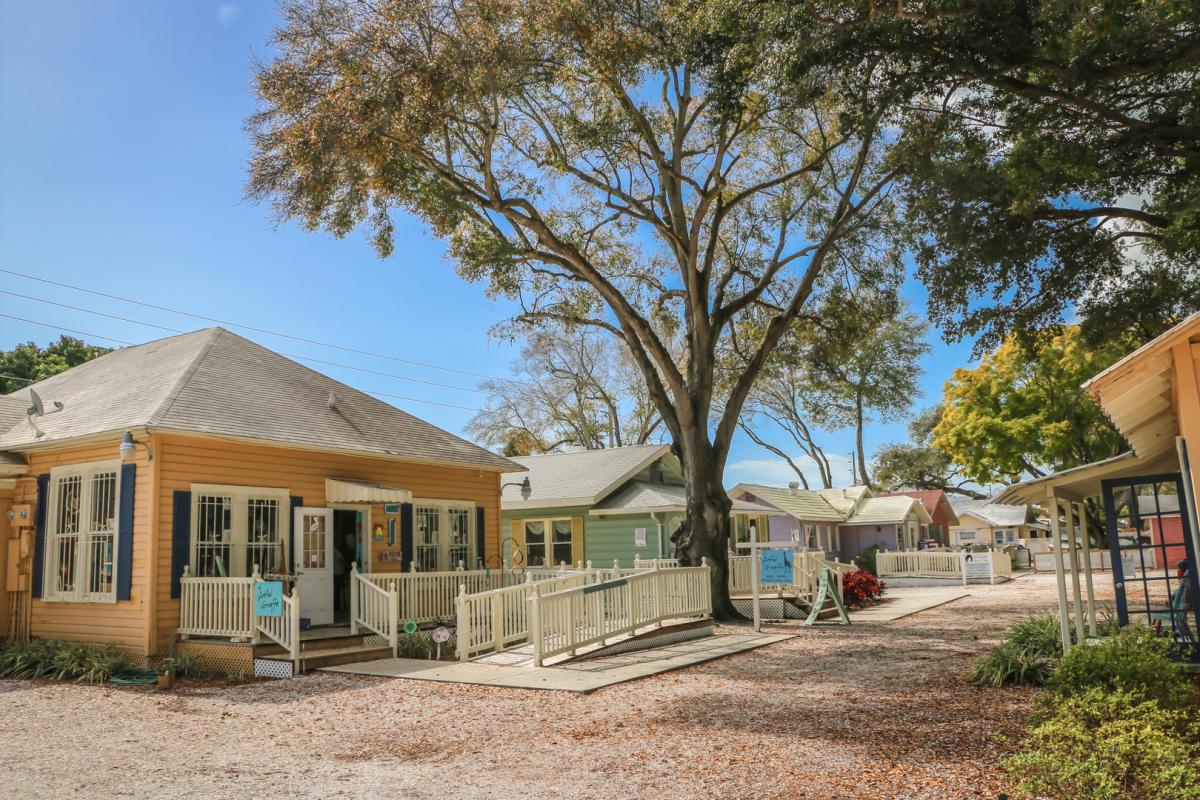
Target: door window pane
[[562, 541], [428, 523], [460, 537], [535, 543], [315, 535]]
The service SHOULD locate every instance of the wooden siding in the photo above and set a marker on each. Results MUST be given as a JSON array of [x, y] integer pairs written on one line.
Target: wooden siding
[[7, 532], [124, 622], [184, 460]]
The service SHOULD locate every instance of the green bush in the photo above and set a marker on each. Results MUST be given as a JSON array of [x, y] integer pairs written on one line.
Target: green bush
[[47, 658], [1108, 745], [415, 645], [866, 560], [1027, 655], [1135, 660]]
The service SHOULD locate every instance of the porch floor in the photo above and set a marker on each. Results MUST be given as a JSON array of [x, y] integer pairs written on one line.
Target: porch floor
[[579, 676]]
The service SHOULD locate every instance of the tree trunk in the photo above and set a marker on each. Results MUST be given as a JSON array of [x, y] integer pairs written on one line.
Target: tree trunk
[[705, 532], [858, 436]]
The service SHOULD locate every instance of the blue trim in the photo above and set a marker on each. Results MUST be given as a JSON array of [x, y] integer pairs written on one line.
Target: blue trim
[[480, 554], [125, 532], [602, 587], [39, 536], [406, 536], [181, 538]]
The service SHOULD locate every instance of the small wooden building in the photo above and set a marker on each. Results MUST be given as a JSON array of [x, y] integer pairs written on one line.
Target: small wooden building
[[206, 454]]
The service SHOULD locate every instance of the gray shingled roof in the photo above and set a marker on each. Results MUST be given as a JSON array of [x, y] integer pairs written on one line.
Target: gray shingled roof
[[579, 477], [216, 382], [646, 497], [803, 504], [998, 514], [887, 510]]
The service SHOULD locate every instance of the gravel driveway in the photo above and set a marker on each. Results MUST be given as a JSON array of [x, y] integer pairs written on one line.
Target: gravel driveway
[[871, 711]]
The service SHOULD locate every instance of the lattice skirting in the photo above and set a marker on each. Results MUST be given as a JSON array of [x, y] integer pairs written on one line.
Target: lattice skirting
[[223, 658], [270, 668], [645, 642], [769, 608]]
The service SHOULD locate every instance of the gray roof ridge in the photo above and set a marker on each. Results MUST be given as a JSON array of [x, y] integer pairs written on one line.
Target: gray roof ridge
[[164, 406]]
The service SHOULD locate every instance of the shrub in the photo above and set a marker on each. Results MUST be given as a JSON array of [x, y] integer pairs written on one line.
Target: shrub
[[1101, 745], [415, 645], [861, 587], [1027, 655], [866, 559], [48, 658], [1135, 660]]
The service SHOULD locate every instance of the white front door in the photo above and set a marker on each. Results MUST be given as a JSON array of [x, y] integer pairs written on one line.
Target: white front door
[[312, 535]]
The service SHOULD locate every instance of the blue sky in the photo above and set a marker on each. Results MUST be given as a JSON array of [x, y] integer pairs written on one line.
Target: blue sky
[[122, 169]]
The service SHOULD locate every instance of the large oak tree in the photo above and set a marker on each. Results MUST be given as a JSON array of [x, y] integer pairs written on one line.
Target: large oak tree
[[575, 158]]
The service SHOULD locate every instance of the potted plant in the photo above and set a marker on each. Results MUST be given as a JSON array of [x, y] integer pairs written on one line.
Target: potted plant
[[166, 673]]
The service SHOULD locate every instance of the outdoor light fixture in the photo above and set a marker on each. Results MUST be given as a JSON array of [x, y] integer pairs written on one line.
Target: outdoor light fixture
[[129, 448], [526, 488]]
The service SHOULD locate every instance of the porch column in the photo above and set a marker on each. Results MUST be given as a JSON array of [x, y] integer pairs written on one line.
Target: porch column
[[1085, 529], [1069, 510], [1064, 622]]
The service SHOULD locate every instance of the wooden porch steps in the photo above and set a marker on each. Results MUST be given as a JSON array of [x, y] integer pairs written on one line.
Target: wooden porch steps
[[315, 658]]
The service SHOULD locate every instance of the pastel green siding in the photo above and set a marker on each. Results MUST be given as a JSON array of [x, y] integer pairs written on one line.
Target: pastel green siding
[[612, 537]]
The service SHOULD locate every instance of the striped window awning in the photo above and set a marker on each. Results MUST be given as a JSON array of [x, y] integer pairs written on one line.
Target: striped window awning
[[355, 490]]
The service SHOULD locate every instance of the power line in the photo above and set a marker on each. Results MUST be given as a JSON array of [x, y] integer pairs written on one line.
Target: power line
[[288, 355], [133, 344], [245, 327]]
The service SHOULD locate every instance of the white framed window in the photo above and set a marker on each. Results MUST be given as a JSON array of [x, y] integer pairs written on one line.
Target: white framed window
[[236, 527], [547, 542], [81, 533], [443, 535]]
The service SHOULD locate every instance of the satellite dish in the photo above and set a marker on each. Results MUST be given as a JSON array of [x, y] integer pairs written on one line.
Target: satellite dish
[[38, 408]]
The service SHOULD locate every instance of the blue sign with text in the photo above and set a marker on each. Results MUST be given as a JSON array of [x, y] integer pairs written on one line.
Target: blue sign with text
[[775, 566], [268, 599]]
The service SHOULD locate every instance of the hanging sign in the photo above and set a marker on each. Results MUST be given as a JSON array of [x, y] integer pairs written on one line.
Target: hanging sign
[[639, 537], [391, 508], [268, 599], [775, 566]]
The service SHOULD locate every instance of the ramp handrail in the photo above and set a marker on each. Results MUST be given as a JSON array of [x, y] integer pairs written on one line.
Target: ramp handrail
[[375, 608], [565, 620], [497, 619]]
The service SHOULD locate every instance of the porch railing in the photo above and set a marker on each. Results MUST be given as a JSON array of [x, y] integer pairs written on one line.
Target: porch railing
[[563, 621], [284, 630], [806, 574], [951, 565], [375, 608], [655, 563], [497, 619], [219, 607]]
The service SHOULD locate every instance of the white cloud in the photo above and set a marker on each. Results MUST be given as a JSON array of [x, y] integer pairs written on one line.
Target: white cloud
[[227, 13]]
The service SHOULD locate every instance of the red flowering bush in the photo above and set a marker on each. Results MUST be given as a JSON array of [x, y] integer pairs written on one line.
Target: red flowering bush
[[861, 587]]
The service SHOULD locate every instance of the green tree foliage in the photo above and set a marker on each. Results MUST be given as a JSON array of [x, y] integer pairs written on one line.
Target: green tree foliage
[[919, 463], [1022, 412], [28, 363], [1049, 149], [575, 158]]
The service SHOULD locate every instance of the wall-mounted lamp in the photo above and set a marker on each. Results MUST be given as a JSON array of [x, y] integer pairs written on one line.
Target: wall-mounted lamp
[[526, 488], [129, 448]]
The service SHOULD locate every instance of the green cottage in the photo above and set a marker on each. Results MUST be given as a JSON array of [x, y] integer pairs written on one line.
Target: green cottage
[[616, 504]]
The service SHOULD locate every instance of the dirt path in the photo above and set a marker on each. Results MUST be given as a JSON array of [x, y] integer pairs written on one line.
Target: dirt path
[[880, 711]]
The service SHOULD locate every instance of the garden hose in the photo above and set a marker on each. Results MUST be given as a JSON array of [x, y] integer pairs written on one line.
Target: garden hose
[[145, 677]]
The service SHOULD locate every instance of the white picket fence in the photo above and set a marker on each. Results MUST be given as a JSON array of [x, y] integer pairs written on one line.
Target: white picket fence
[[498, 619], [806, 575], [566, 620], [218, 607], [950, 565]]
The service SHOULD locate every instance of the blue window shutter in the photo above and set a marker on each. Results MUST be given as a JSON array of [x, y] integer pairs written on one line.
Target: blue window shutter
[[480, 555], [290, 544], [181, 538], [39, 532], [406, 536], [125, 532]]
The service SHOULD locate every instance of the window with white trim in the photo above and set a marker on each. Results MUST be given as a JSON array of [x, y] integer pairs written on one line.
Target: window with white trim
[[548, 542], [81, 533], [443, 535], [236, 527]]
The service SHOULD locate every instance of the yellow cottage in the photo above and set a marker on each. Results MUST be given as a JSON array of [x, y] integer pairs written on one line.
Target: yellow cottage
[[139, 492]]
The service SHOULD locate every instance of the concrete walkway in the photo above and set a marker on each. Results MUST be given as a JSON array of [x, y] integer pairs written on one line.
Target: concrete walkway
[[583, 676]]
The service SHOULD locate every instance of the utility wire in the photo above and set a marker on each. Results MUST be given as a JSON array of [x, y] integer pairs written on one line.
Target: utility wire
[[133, 344], [245, 327], [288, 355]]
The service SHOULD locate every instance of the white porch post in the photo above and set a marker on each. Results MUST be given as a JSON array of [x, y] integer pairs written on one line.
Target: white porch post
[[1064, 622], [1084, 529], [1070, 509], [354, 598]]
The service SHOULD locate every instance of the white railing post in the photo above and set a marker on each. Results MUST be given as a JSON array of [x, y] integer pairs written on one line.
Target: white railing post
[[497, 614], [962, 566], [255, 636], [294, 631], [394, 621], [616, 571], [463, 623], [534, 612], [354, 590]]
